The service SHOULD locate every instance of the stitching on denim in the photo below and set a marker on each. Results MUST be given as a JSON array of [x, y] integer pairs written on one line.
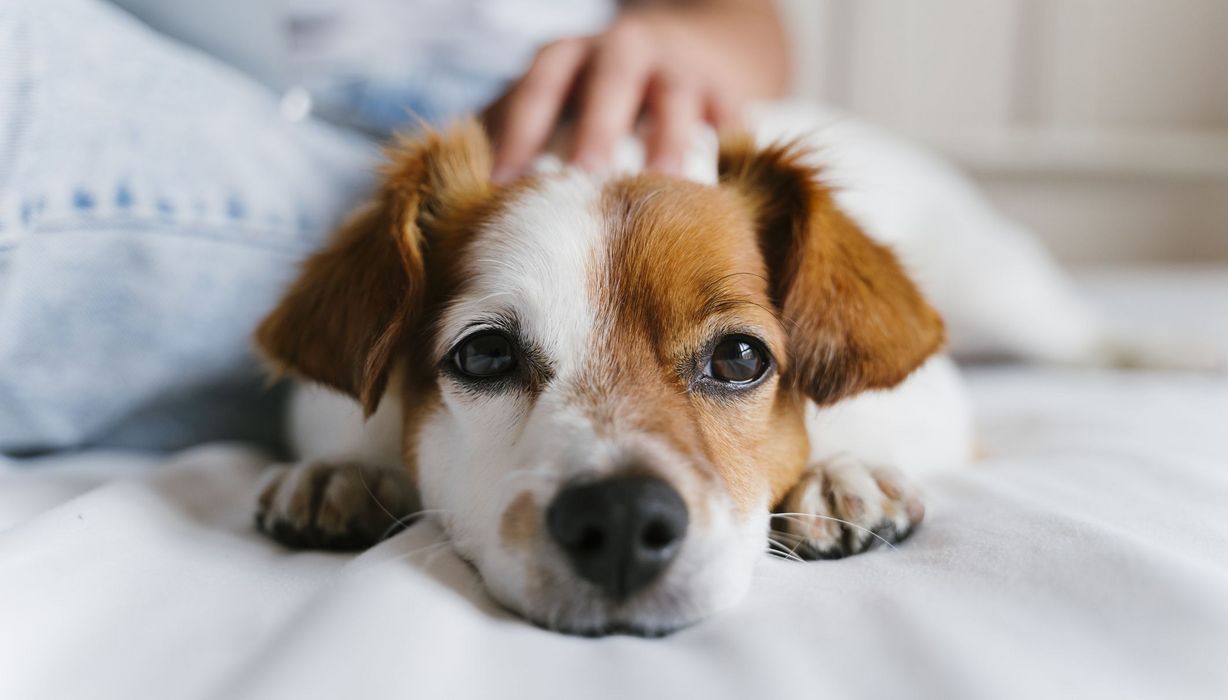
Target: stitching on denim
[[160, 228]]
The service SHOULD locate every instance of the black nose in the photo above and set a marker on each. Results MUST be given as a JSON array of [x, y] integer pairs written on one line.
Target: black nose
[[620, 533]]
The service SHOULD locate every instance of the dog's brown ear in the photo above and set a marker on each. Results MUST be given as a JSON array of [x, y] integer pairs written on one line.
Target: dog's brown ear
[[342, 321], [854, 319]]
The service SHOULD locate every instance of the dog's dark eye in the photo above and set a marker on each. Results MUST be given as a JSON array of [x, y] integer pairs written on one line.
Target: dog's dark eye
[[737, 360], [485, 355]]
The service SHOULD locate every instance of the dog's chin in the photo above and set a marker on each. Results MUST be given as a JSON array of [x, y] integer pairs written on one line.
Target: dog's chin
[[574, 607], [599, 618], [614, 630]]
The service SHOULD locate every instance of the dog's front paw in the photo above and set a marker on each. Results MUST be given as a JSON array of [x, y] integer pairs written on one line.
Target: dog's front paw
[[334, 505], [845, 507]]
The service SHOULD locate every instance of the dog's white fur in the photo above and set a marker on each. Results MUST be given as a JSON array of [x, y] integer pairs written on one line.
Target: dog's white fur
[[998, 290]]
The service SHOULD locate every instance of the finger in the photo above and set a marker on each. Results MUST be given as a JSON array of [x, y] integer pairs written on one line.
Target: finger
[[612, 97], [676, 111], [722, 111], [531, 109]]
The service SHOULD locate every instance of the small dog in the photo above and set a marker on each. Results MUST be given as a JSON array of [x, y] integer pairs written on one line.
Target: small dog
[[612, 391]]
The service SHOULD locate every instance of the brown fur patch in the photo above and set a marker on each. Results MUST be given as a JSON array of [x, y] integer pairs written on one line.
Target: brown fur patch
[[345, 318], [419, 398], [856, 320], [683, 268], [520, 523], [370, 297]]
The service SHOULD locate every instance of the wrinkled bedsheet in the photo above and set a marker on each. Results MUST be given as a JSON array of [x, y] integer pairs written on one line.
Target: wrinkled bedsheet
[[1085, 556]]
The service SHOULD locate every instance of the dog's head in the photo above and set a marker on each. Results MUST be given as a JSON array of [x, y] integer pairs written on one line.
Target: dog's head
[[603, 379]]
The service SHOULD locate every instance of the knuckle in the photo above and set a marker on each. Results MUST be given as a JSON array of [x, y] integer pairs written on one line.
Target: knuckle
[[672, 81], [625, 52], [613, 70]]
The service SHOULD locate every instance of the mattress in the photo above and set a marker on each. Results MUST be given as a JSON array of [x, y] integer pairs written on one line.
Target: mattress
[[1085, 556]]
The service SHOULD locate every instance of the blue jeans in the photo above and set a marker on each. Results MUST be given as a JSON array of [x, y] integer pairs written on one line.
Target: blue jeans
[[153, 203]]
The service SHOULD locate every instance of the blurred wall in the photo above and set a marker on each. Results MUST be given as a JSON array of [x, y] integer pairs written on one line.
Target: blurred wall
[[1103, 124]]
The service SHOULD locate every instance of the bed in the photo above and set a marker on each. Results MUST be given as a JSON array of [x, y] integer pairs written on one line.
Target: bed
[[1085, 556]]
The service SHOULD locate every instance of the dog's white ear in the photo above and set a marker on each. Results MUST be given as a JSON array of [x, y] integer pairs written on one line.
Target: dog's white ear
[[854, 319], [343, 320]]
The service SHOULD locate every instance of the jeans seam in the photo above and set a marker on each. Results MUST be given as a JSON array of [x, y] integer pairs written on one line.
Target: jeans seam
[[171, 230]]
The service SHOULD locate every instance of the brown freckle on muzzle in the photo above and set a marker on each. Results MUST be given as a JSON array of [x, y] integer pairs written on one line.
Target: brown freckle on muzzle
[[520, 522]]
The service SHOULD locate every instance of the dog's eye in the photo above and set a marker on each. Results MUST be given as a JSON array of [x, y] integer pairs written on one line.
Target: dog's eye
[[485, 355], [737, 360]]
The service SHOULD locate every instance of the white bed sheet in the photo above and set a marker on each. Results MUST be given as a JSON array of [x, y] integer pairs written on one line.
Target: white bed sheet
[[1087, 556]]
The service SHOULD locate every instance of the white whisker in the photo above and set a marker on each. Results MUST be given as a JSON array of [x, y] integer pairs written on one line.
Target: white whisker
[[795, 516], [363, 478], [405, 555], [784, 551], [404, 520]]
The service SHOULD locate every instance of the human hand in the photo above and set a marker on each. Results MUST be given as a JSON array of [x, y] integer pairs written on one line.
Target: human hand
[[677, 66]]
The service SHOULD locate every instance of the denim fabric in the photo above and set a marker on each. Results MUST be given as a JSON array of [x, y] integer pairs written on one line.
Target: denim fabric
[[153, 203], [378, 64]]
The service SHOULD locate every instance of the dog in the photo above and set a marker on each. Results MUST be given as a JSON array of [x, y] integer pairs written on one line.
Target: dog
[[613, 391]]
